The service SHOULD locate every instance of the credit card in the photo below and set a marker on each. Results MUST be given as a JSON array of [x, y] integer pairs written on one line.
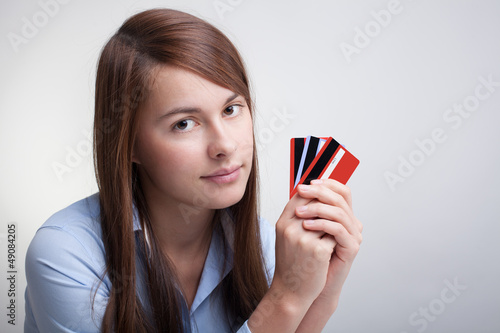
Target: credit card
[[320, 158], [308, 155], [296, 148]]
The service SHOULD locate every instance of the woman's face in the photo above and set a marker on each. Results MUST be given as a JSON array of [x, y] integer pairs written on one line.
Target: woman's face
[[194, 144]]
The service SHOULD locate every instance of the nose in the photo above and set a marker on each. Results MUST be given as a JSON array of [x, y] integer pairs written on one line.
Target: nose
[[221, 141]]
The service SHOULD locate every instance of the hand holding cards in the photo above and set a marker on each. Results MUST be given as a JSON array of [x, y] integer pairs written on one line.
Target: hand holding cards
[[319, 158]]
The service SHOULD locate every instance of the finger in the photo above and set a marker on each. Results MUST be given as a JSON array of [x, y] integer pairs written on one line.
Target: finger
[[306, 241], [337, 187], [326, 195], [330, 239], [348, 243], [316, 209], [325, 247], [293, 232], [295, 201], [322, 193], [360, 225], [345, 192]]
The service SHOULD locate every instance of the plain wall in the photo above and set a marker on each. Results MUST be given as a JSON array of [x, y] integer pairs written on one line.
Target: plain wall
[[382, 85]]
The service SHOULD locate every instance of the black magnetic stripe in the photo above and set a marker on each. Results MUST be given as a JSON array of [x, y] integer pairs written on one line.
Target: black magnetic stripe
[[311, 153], [298, 149], [322, 162]]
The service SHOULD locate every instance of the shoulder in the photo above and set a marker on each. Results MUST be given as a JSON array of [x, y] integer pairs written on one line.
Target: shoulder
[[72, 233], [64, 263], [82, 214]]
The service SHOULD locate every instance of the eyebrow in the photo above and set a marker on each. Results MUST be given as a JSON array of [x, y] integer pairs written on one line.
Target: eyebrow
[[191, 110]]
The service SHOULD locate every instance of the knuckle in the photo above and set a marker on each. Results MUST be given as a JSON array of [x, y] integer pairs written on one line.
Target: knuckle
[[280, 227], [347, 191], [337, 198], [303, 242], [343, 214], [288, 232], [317, 209], [320, 223], [342, 231], [312, 208], [321, 252], [331, 182]]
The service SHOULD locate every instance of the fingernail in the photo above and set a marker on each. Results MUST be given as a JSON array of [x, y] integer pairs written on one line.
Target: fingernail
[[316, 181], [304, 187], [309, 222], [302, 209]]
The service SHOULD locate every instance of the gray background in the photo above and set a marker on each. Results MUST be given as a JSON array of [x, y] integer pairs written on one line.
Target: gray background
[[438, 226]]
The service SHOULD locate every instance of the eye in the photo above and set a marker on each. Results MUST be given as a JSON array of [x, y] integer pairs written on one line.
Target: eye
[[232, 110], [184, 125]]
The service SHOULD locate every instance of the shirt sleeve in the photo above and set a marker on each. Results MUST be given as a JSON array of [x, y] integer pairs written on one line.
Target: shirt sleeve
[[63, 274], [268, 240]]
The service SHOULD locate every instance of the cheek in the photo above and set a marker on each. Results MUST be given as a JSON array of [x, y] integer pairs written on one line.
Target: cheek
[[174, 170], [245, 136], [164, 159], [172, 160]]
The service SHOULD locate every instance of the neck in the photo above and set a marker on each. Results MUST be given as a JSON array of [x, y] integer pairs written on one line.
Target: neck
[[183, 232]]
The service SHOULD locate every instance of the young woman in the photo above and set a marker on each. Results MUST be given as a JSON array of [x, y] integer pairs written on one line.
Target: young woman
[[172, 242]]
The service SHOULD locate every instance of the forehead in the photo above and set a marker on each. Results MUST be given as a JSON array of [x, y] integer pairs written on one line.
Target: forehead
[[173, 85]]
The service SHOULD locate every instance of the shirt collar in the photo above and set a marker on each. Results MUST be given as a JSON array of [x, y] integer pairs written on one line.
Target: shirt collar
[[218, 264], [216, 260], [137, 224]]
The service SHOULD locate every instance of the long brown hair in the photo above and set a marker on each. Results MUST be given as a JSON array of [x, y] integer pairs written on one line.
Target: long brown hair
[[125, 72]]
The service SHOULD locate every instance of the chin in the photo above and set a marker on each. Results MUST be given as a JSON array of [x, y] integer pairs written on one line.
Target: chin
[[226, 200], [221, 204]]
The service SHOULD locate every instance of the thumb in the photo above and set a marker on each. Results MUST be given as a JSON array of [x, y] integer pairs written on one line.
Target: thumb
[[325, 248]]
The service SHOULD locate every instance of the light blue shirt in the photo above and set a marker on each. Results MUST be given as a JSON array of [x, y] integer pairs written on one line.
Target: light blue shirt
[[66, 259]]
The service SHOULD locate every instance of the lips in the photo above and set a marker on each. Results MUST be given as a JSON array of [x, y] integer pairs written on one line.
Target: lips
[[224, 175]]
